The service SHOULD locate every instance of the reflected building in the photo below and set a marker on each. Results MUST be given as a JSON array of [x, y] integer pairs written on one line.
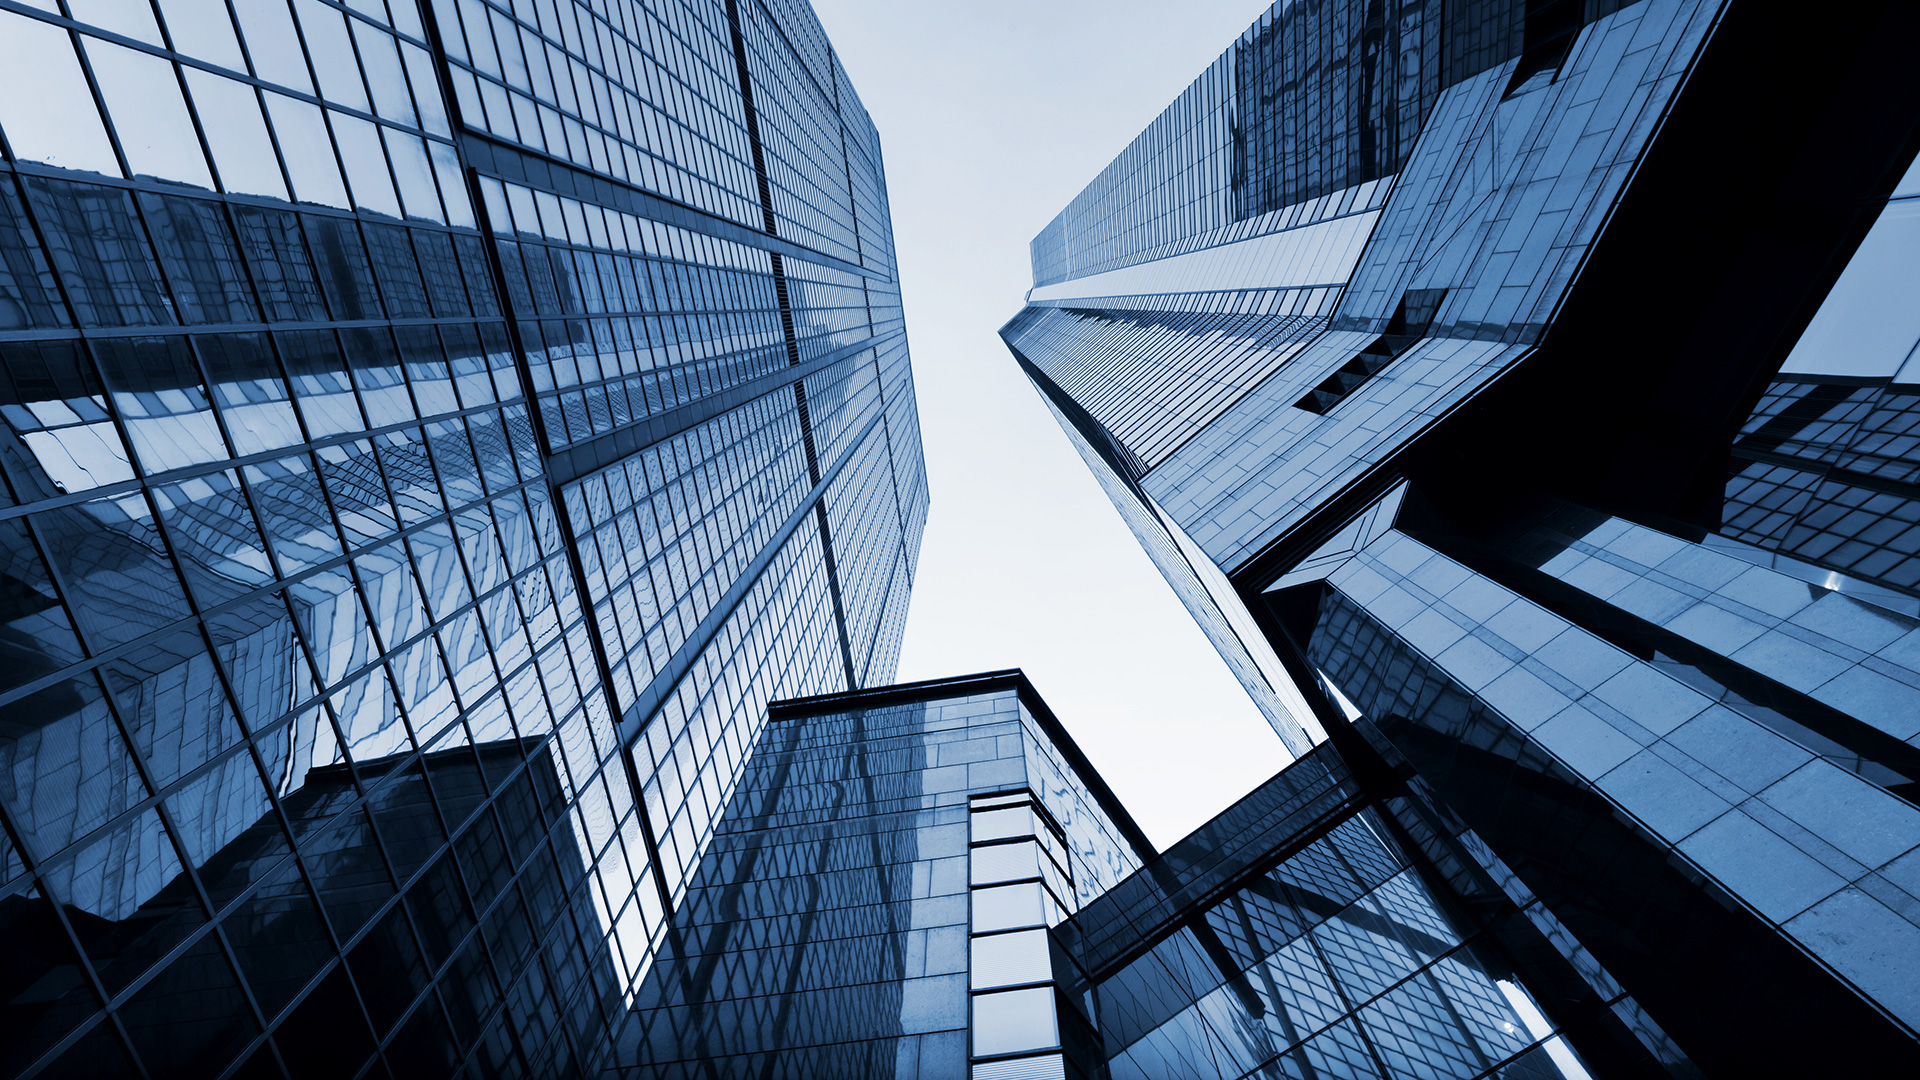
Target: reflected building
[[1521, 397], [432, 434]]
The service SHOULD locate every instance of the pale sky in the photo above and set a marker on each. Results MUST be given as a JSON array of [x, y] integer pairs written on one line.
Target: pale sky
[[992, 115]]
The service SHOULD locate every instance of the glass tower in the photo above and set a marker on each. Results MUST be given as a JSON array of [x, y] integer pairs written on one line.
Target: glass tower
[[1532, 386], [886, 893], [432, 434]]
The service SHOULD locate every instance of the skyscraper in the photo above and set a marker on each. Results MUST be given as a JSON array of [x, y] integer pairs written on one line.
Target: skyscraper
[[433, 433], [884, 895], [1530, 385]]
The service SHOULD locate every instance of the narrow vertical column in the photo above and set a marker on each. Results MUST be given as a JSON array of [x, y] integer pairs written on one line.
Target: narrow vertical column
[[1021, 881]]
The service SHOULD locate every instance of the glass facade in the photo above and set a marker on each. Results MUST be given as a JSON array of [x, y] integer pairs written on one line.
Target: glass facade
[[1298, 935], [885, 894], [433, 433], [1577, 503]]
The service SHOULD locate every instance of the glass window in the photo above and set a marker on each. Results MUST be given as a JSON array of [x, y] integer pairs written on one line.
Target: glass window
[[1002, 824], [308, 150], [1004, 907], [1004, 862], [426, 88], [202, 29], [1010, 959], [273, 44], [332, 50], [237, 135], [149, 116], [252, 397], [133, 20], [1014, 1020], [366, 165], [415, 173], [197, 248], [46, 108], [384, 73], [157, 391], [55, 404]]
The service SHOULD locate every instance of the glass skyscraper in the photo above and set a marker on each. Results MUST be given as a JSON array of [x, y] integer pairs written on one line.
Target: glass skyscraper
[[1522, 396], [433, 434]]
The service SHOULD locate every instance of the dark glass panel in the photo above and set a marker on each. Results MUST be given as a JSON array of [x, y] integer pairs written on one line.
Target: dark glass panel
[[346, 865], [191, 1019], [470, 990], [398, 271], [36, 639], [387, 968], [202, 259], [99, 1053], [345, 272], [63, 439], [422, 1047], [118, 577], [158, 393], [377, 375], [326, 1036], [439, 906], [426, 369], [318, 369], [44, 993], [276, 252], [29, 298], [277, 932], [97, 245], [252, 396], [473, 261], [440, 267]]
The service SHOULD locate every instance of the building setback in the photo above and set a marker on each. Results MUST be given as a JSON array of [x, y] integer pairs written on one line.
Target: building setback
[[1522, 397], [432, 434]]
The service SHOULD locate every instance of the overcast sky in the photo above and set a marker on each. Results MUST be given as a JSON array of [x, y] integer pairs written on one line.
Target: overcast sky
[[992, 115]]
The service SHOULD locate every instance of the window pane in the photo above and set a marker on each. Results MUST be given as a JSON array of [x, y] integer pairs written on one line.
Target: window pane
[[384, 74], [366, 165], [148, 114], [1007, 906], [332, 51], [242, 151], [308, 150], [415, 174], [133, 20], [1010, 959], [272, 44], [46, 109], [1012, 1021], [202, 29]]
